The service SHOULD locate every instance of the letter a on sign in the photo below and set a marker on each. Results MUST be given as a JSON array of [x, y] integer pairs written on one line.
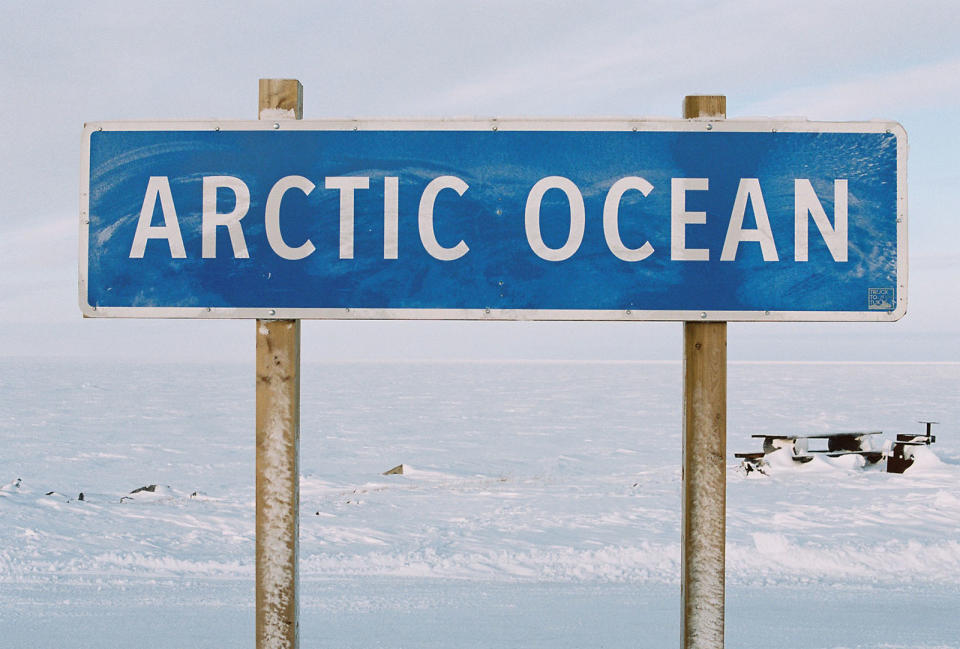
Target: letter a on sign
[[158, 187]]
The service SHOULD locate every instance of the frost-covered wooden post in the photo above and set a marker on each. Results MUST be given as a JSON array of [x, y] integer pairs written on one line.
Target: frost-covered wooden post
[[704, 458], [278, 441]]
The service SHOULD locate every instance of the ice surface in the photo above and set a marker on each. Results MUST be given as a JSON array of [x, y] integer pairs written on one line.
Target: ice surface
[[539, 506]]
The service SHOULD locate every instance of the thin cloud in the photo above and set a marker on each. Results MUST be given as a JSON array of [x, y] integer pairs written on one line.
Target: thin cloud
[[890, 94], [646, 60]]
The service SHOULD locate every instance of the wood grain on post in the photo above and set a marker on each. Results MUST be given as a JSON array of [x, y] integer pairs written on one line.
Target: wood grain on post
[[704, 106], [282, 95], [278, 442], [704, 459]]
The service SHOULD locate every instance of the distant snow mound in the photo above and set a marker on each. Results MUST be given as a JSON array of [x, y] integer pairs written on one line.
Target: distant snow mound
[[152, 493], [770, 543], [784, 462], [11, 486], [925, 458]]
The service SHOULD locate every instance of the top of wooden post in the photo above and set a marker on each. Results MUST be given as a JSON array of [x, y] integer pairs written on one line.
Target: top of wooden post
[[281, 99], [704, 106]]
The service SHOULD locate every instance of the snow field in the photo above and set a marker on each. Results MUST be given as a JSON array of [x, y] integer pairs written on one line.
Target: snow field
[[540, 485]]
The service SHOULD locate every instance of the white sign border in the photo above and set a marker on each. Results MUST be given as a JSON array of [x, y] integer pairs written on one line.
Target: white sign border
[[506, 125]]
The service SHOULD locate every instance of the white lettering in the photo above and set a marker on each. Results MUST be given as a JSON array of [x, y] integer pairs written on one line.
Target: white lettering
[[425, 218], [611, 219], [347, 185], [158, 187], [272, 218], [749, 189], [532, 218], [391, 213], [211, 219], [806, 202], [680, 218]]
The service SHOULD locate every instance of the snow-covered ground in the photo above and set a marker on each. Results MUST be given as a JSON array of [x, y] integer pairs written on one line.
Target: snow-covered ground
[[540, 506]]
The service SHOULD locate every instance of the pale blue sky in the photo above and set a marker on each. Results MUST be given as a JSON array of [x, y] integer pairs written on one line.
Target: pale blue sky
[[67, 63]]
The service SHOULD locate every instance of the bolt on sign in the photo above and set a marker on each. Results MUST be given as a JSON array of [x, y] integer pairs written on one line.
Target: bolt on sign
[[495, 219]]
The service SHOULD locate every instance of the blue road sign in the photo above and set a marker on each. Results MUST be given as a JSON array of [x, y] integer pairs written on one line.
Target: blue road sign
[[494, 219]]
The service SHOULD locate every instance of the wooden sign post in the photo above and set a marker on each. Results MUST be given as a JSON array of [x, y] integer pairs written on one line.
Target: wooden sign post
[[704, 458], [278, 441]]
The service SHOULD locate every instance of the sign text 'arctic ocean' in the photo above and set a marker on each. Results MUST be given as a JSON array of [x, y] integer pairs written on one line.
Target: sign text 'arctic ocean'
[[547, 219]]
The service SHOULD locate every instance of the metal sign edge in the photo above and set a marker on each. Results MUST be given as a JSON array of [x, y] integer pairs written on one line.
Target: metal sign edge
[[584, 315], [746, 125]]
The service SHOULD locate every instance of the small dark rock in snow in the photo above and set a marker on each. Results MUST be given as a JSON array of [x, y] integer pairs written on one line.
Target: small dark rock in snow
[[150, 488], [397, 470], [80, 497]]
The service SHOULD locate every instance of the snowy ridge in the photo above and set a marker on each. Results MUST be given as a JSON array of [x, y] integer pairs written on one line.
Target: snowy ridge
[[775, 559], [644, 563], [892, 563]]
